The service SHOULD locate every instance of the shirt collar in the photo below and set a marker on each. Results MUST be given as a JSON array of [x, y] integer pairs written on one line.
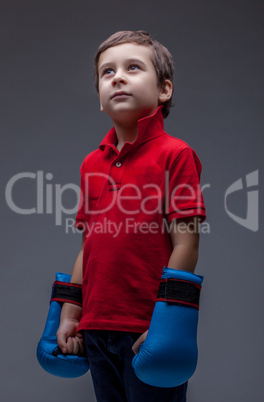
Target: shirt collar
[[148, 128]]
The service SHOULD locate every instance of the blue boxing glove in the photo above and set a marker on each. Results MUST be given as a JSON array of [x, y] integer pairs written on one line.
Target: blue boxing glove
[[49, 354], [168, 357]]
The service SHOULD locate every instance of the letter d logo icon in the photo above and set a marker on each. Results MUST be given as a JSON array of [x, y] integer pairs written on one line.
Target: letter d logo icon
[[251, 221]]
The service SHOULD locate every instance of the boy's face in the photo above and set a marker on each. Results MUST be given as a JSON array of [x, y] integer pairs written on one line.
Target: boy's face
[[128, 83]]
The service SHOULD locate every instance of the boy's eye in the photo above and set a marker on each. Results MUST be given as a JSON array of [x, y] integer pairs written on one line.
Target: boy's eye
[[108, 71], [133, 67]]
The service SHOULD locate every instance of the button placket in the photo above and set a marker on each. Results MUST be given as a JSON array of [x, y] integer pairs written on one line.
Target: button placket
[[117, 168], [116, 174]]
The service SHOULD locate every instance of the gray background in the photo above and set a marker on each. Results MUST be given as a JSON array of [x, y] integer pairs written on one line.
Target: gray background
[[50, 120]]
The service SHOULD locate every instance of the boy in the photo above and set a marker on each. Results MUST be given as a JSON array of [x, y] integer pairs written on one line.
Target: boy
[[140, 209]]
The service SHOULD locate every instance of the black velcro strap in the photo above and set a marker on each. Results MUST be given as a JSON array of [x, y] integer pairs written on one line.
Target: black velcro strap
[[67, 293], [179, 292]]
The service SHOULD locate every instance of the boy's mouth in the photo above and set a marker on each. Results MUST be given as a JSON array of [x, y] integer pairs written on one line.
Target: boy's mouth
[[120, 94]]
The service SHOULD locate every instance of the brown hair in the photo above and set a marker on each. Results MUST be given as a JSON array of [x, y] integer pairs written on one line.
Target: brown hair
[[162, 59]]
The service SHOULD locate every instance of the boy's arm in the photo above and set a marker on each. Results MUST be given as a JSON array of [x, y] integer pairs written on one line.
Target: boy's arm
[[69, 340], [185, 240], [184, 234]]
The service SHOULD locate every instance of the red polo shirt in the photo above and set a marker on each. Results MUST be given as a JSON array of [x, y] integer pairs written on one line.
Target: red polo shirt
[[128, 199]]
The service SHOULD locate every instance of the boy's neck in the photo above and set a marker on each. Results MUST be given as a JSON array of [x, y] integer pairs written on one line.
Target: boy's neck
[[126, 128], [127, 133]]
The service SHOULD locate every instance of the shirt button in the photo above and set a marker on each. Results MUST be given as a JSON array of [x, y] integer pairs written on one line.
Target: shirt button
[[118, 164]]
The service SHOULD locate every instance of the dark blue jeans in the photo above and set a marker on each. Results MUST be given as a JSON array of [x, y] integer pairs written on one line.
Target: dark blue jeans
[[110, 356]]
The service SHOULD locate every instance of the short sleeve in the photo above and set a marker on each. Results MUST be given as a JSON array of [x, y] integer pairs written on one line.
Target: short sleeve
[[183, 191]]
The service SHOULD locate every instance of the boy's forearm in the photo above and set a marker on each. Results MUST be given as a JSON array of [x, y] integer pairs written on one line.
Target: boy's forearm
[[185, 241], [184, 258], [69, 310], [77, 275]]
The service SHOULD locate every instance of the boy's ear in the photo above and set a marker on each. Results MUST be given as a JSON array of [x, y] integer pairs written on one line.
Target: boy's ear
[[166, 91]]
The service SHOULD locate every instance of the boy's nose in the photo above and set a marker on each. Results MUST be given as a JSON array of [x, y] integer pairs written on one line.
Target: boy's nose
[[119, 78]]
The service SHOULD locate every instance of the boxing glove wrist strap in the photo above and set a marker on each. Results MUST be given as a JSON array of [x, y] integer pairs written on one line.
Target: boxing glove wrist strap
[[67, 293], [179, 291]]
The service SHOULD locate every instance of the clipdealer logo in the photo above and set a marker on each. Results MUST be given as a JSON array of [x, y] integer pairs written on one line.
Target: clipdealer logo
[[46, 192], [50, 196], [251, 221]]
